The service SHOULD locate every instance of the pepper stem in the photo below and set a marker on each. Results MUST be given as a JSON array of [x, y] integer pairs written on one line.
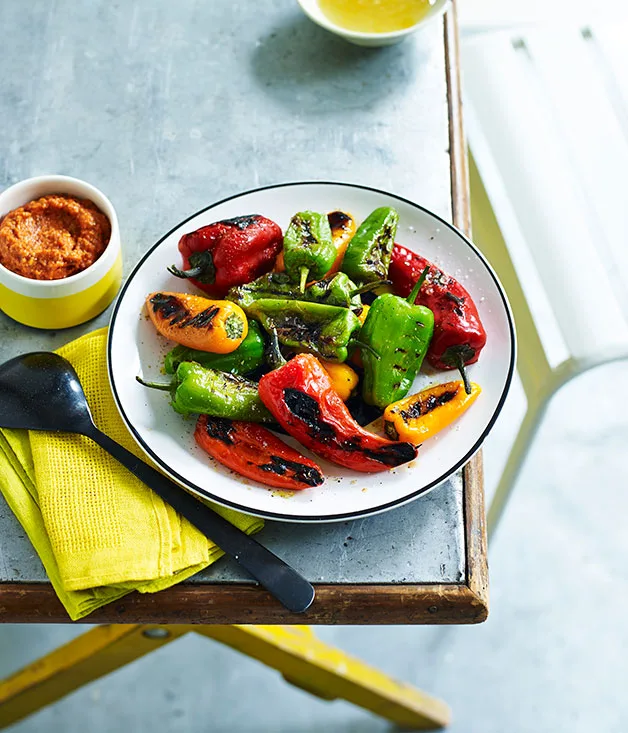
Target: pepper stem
[[362, 345], [155, 385], [457, 356], [415, 290], [459, 362], [192, 272], [304, 273], [367, 287], [201, 268], [272, 352]]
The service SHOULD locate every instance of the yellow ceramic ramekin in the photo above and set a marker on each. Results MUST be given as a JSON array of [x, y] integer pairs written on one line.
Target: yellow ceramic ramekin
[[71, 300]]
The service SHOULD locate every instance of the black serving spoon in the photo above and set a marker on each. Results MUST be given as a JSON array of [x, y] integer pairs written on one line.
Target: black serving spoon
[[41, 391]]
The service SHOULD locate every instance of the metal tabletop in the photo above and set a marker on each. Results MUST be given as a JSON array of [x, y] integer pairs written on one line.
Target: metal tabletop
[[168, 107]]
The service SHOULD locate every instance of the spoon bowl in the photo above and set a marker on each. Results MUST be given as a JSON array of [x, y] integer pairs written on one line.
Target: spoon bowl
[[41, 391]]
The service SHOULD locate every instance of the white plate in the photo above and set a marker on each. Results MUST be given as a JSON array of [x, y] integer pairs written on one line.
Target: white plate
[[135, 348]]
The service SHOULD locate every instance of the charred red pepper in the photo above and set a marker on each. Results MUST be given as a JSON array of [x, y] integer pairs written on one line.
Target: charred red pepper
[[458, 332], [301, 398], [253, 451], [229, 252]]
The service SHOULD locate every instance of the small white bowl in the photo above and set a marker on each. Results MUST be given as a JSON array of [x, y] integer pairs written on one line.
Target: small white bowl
[[312, 9], [72, 300]]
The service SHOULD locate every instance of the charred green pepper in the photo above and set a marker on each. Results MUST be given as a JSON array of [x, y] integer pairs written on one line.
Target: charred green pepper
[[400, 332], [368, 255], [273, 285], [324, 330], [337, 289], [247, 357], [308, 249], [197, 389]]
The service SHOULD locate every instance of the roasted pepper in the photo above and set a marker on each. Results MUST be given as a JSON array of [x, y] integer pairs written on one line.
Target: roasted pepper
[[343, 379], [459, 335], [303, 401], [342, 227], [339, 289], [308, 251], [196, 389], [229, 252], [400, 333], [325, 330], [253, 451], [198, 323], [247, 357], [368, 254], [272, 285], [335, 289], [419, 416]]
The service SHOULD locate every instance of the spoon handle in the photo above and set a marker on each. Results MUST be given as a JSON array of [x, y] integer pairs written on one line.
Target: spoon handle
[[279, 579]]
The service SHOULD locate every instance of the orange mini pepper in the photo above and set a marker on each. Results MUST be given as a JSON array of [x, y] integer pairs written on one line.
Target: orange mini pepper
[[218, 326], [420, 416]]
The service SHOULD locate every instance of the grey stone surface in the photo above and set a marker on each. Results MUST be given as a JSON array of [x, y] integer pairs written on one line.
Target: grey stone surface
[[168, 107]]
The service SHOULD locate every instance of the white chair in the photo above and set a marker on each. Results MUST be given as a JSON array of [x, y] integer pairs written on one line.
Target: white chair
[[546, 113]]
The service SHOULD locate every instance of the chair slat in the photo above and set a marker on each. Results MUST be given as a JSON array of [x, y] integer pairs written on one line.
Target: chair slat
[[509, 101]]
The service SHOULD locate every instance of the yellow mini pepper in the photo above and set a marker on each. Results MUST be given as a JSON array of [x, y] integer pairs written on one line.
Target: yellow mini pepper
[[344, 380], [422, 415], [364, 314]]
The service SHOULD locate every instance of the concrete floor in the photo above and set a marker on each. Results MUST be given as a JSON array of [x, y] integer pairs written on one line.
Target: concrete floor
[[551, 657]]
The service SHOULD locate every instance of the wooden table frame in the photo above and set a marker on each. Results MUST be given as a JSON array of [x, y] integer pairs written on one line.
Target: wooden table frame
[[450, 603]]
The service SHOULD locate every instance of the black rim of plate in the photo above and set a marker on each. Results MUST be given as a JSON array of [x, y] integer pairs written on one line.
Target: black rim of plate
[[330, 517]]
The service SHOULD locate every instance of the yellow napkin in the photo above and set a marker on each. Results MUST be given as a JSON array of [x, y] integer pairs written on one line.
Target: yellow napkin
[[98, 530]]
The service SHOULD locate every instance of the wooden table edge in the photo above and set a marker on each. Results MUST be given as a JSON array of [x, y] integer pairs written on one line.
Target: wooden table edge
[[463, 603], [208, 604], [476, 542]]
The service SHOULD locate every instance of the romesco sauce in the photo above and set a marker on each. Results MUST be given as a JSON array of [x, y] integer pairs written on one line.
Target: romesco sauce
[[53, 237]]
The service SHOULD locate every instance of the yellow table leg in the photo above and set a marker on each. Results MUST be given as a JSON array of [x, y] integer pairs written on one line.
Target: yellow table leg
[[294, 651], [88, 657], [329, 673]]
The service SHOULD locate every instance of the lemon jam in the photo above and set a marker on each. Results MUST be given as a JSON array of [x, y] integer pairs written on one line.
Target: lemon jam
[[375, 16]]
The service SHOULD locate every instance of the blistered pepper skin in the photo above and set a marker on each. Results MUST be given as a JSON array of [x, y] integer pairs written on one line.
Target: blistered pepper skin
[[247, 357], [368, 253], [325, 330], [254, 452], [230, 252], [399, 333], [301, 398], [420, 416], [218, 326], [459, 335], [308, 250], [198, 390]]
